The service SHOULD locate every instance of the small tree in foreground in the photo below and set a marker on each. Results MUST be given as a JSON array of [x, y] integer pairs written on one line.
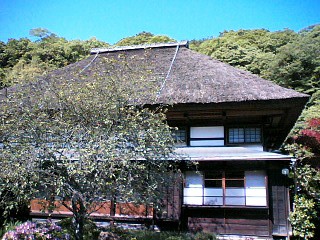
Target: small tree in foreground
[[86, 141]]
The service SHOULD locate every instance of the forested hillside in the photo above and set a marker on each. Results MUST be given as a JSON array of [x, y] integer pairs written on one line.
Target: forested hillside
[[22, 60]]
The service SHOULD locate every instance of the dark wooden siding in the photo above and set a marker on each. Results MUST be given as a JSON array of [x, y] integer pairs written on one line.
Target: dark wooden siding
[[279, 199], [229, 221], [171, 200]]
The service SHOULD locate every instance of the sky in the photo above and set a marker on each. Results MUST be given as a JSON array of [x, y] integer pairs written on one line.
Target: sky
[[113, 20]]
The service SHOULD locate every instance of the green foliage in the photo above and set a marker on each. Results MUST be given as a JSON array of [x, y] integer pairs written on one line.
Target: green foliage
[[13, 51], [8, 226], [163, 235], [91, 231], [86, 141], [297, 64], [144, 38], [251, 50], [23, 61], [15, 192], [40, 32], [308, 178], [306, 175], [304, 217]]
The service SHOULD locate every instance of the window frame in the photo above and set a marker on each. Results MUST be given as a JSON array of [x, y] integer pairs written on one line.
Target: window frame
[[207, 136], [226, 197], [245, 134], [177, 141]]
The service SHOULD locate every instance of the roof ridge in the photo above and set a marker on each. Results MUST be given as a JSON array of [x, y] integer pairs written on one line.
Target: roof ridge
[[142, 46]]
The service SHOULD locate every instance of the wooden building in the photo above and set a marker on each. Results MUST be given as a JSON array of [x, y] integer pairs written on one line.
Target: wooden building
[[228, 120]]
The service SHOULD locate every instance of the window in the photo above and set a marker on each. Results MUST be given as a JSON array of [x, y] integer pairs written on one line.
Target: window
[[225, 188], [193, 192], [213, 191], [234, 188], [207, 136], [245, 135], [180, 137]]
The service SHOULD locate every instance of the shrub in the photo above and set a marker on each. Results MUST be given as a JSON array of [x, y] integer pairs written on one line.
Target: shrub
[[8, 226], [303, 217], [91, 231], [151, 235], [11, 208], [175, 238], [204, 236], [38, 231]]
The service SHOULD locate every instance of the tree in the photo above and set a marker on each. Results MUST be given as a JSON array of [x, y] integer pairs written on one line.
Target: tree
[[297, 64], [305, 147], [87, 141], [23, 60], [144, 38], [41, 33], [252, 50]]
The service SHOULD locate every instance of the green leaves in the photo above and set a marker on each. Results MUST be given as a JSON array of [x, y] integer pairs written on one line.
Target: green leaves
[[304, 217], [305, 148], [86, 140], [144, 38], [22, 60]]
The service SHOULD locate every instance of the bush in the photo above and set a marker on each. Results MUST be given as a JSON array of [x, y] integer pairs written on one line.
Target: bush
[[11, 209], [151, 235], [38, 231], [91, 231], [175, 238], [304, 217], [8, 226], [204, 236]]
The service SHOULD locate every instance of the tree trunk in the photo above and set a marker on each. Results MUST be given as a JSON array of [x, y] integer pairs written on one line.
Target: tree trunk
[[79, 216]]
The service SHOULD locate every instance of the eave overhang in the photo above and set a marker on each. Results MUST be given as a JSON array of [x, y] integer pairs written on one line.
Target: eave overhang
[[229, 154]]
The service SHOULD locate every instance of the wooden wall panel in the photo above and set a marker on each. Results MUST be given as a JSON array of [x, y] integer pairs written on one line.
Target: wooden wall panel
[[279, 199], [253, 222], [171, 200], [103, 209]]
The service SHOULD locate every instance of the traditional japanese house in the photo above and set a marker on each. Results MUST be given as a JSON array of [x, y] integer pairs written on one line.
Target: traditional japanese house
[[228, 120]]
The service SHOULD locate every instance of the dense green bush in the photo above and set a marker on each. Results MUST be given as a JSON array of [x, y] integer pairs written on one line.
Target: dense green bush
[[12, 206], [91, 231], [204, 236], [165, 235]]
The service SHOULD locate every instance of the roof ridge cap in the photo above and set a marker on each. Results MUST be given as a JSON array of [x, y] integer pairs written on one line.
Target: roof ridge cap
[[142, 46]]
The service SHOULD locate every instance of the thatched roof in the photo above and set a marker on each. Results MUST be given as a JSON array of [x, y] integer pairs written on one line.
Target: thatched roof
[[180, 75]]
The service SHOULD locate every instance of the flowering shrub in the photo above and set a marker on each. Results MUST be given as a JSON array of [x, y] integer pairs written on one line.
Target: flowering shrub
[[36, 231]]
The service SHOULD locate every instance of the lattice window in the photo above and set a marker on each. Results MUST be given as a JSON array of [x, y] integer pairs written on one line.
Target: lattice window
[[245, 135]]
